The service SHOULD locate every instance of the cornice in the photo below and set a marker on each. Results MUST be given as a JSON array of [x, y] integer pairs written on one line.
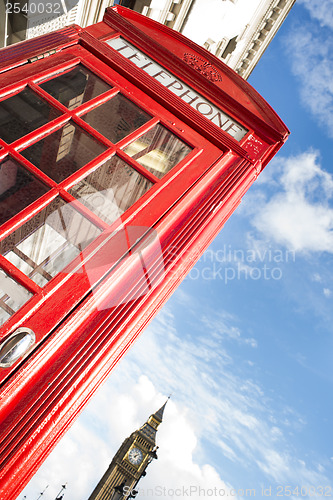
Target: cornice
[[267, 34]]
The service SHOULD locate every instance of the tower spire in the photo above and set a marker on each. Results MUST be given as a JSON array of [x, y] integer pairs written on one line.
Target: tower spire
[[148, 430], [159, 414]]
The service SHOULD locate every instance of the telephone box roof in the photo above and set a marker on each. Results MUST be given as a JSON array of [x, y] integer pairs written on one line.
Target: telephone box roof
[[205, 70]]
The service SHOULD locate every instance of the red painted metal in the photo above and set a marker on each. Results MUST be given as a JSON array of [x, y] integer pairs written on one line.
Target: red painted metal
[[89, 314]]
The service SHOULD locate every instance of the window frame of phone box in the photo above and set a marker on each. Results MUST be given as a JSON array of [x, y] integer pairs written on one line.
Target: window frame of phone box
[[71, 284]]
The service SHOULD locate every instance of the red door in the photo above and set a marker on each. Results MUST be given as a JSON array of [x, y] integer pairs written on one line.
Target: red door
[[84, 154]]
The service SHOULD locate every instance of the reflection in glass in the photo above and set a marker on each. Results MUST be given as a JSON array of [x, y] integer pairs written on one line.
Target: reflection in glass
[[12, 296], [116, 118], [76, 86], [23, 113], [111, 189], [43, 246], [64, 152], [158, 150], [18, 188]]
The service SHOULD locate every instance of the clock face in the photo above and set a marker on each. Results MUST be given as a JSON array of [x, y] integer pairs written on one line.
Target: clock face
[[135, 456]]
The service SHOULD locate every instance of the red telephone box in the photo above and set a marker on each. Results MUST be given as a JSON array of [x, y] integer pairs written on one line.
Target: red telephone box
[[124, 147]]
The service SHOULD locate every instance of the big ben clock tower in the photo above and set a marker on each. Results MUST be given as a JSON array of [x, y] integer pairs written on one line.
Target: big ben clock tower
[[130, 462]]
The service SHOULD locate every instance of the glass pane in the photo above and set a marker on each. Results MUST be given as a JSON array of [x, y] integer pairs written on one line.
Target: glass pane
[[76, 86], [116, 118], [42, 247], [64, 152], [111, 189], [18, 188], [23, 113], [158, 150], [12, 296]]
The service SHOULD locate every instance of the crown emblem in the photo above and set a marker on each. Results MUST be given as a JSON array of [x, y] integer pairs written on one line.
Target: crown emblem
[[205, 68]]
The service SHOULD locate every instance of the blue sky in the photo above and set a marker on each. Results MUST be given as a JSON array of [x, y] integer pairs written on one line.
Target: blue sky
[[245, 344]]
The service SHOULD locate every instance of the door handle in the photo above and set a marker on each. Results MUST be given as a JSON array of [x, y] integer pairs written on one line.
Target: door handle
[[16, 346]]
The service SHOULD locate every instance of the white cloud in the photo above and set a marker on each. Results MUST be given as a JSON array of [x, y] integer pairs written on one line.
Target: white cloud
[[298, 214], [222, 327], [86, 451], [321, 10], [227, 450], [310, 52], [327, 292], [212, 408], [73, 461]]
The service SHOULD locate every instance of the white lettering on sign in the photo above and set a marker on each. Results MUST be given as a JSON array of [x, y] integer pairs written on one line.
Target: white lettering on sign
[[179, 88]]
